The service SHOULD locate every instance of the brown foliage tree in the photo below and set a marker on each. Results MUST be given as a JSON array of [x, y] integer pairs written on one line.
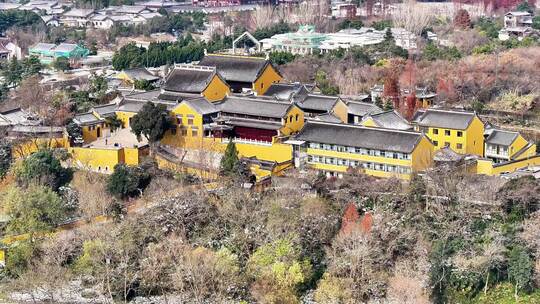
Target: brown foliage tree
[[462, 19], [349, 222], [391, 89]]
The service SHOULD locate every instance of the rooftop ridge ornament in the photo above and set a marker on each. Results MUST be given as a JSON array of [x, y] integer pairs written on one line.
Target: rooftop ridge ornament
[[246, 34]]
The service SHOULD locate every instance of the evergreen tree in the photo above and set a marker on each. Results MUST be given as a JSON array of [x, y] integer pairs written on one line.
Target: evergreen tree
[[152, 122], [229, 160], [520, 269], [6, 157], [61, 64], [43, 168]]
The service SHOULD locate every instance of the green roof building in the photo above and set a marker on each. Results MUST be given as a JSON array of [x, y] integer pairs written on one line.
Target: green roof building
[[48, 52]]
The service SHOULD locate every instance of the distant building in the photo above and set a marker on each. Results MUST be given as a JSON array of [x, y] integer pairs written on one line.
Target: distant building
[[48, 52], [77, 17], [9, 49], [307, 41], [516, 25], [212, 3], [344, 10]]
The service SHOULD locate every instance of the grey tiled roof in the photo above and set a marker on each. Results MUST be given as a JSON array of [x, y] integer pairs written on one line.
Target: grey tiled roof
[[359, 136], [188, 80], [65, 47], [143, 96], [448, 119], [390, 120], [79, 12], [104, 110], [141, 74], [362, 108], [86, 119], [134, 107], [43, 46], [236, 68], [328, 117], [254, 107], [253, 123], [501, 137], [286, 91], [201, 105], [317, 102]]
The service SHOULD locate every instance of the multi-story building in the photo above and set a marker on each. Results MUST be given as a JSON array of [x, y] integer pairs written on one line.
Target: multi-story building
[[336, 148], [516, 24], [461, 131], [503, 146], [243, 72]]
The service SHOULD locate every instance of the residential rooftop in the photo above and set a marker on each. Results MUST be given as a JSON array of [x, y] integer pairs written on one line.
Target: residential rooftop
[[448, 119], [359, 136], [236, 68], [189, 79], [254, 107], [390, 120]]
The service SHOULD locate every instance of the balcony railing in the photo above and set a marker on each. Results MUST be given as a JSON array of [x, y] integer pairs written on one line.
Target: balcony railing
[[248, 141]]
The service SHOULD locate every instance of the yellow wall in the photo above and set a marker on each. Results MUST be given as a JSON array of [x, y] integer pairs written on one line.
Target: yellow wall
[[267, 78], [294, 126], [341, 111], [96, 158], [422, 156], [29, 146], [91, 135], [216, 89], [472, 139], [104, 159], [124, 77], [475, 137], [165, 164], [124, 117], [369, 122], [487, 167]]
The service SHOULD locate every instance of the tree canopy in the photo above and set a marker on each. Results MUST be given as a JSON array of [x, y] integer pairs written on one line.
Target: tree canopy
[[127, 181], [152, 122], [42, 168]]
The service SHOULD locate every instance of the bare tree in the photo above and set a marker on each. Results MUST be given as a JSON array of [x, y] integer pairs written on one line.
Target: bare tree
[[412, 16]]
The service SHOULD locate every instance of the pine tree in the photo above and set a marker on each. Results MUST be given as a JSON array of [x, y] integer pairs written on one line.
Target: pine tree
[[229, 160]]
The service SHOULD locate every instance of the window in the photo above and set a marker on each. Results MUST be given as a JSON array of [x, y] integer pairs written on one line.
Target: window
[[446, 144], [184, 132], [459, 146], [190, 119], [173, 130], [459, 134], [179, 119], [435, 131], [436, 143], [290, 118], [297, 117], [447, 132], [194, 131]]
